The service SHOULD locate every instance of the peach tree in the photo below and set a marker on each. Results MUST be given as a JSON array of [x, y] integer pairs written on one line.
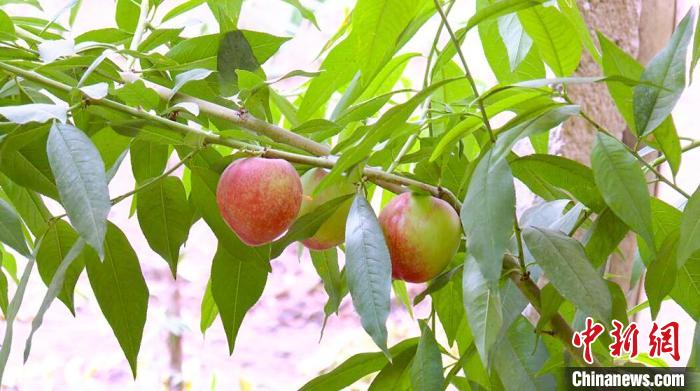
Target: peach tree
[[75, 106]]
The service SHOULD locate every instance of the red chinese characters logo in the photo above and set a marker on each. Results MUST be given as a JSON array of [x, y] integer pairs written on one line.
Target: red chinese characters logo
[[587, 337], [662, 339]]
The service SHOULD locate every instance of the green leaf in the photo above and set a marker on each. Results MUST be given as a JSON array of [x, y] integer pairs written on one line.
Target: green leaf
[[4, 301], [136, 94], [11, 229], [82, 184], [570, 9], [208, 310], [689, 241], [28, 204], [604, 236], [395, 376], [357, 367], [164, 216], [661, 273], [519, 357], [234, 53], [564, 262], [616, 62], [148, 159], [55, 246], [488, 212], [182, 8], [368, 268], [305, 12], [56, 285], [121, 291], [530, 124], [499, 8], [669, 144], [12, 310], [127, 14], [622, 184], [159, 37], [482, 301], [517, 42], [236, 286], [694, 360], [555, 177], [226, 13], [188, 76], [696, 54], [35, 112], [426, 370], [652, 104], [554, 36], [7, 28], [449, 306], [326, 264]]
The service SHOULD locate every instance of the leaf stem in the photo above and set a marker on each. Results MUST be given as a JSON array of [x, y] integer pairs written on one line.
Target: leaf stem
[[519, 240], [467, 73], [582, 219], [138, 33]]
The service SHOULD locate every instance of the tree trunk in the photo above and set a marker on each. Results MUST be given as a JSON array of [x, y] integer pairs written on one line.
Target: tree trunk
[[641, 28]]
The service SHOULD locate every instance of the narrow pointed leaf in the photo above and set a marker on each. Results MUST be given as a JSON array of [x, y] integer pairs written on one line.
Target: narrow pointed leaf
[[426, 371], [164, 216], [11, 229], [666, 71], [81, 180], [487, 214], [565, 264], [368, 268], [121, 291], [236, 286], [482, 301], [622, 184], [689, 241], [661, 273]]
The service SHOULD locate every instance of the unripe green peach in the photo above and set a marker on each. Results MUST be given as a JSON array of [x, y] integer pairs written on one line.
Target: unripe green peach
[[422, 233], [332, 231], [259, 198]]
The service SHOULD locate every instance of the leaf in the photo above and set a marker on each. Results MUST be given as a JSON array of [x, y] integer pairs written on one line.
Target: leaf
[[236, 286], [571, 10], [357, 367], [449, 306], [148, 159], [182, 8], [4, 301], [305, 12], [661, 274], [487, 214], [56, 285], [669, 144], [395, 376], [28, 204], [188, 76], [35, 112], [11, 229], [555, 177], [518, 43], [622, 184], [368, 269], [667, 72], [499, 8], [615, 61], [121, 291], [554, 36], [482, 302], [208, 310], [58, 240], [234, 53], [564, 262], [164, 216], [136, 94], [127, 15], [426, 370], [326, 264], [689, 241], [7, 28], [82, 184], [519, 357], [696, 54], [11, 313], [604, 236], [226, 13]]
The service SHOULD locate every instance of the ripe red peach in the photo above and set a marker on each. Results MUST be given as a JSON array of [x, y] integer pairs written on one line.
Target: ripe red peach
[[259, 198]]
